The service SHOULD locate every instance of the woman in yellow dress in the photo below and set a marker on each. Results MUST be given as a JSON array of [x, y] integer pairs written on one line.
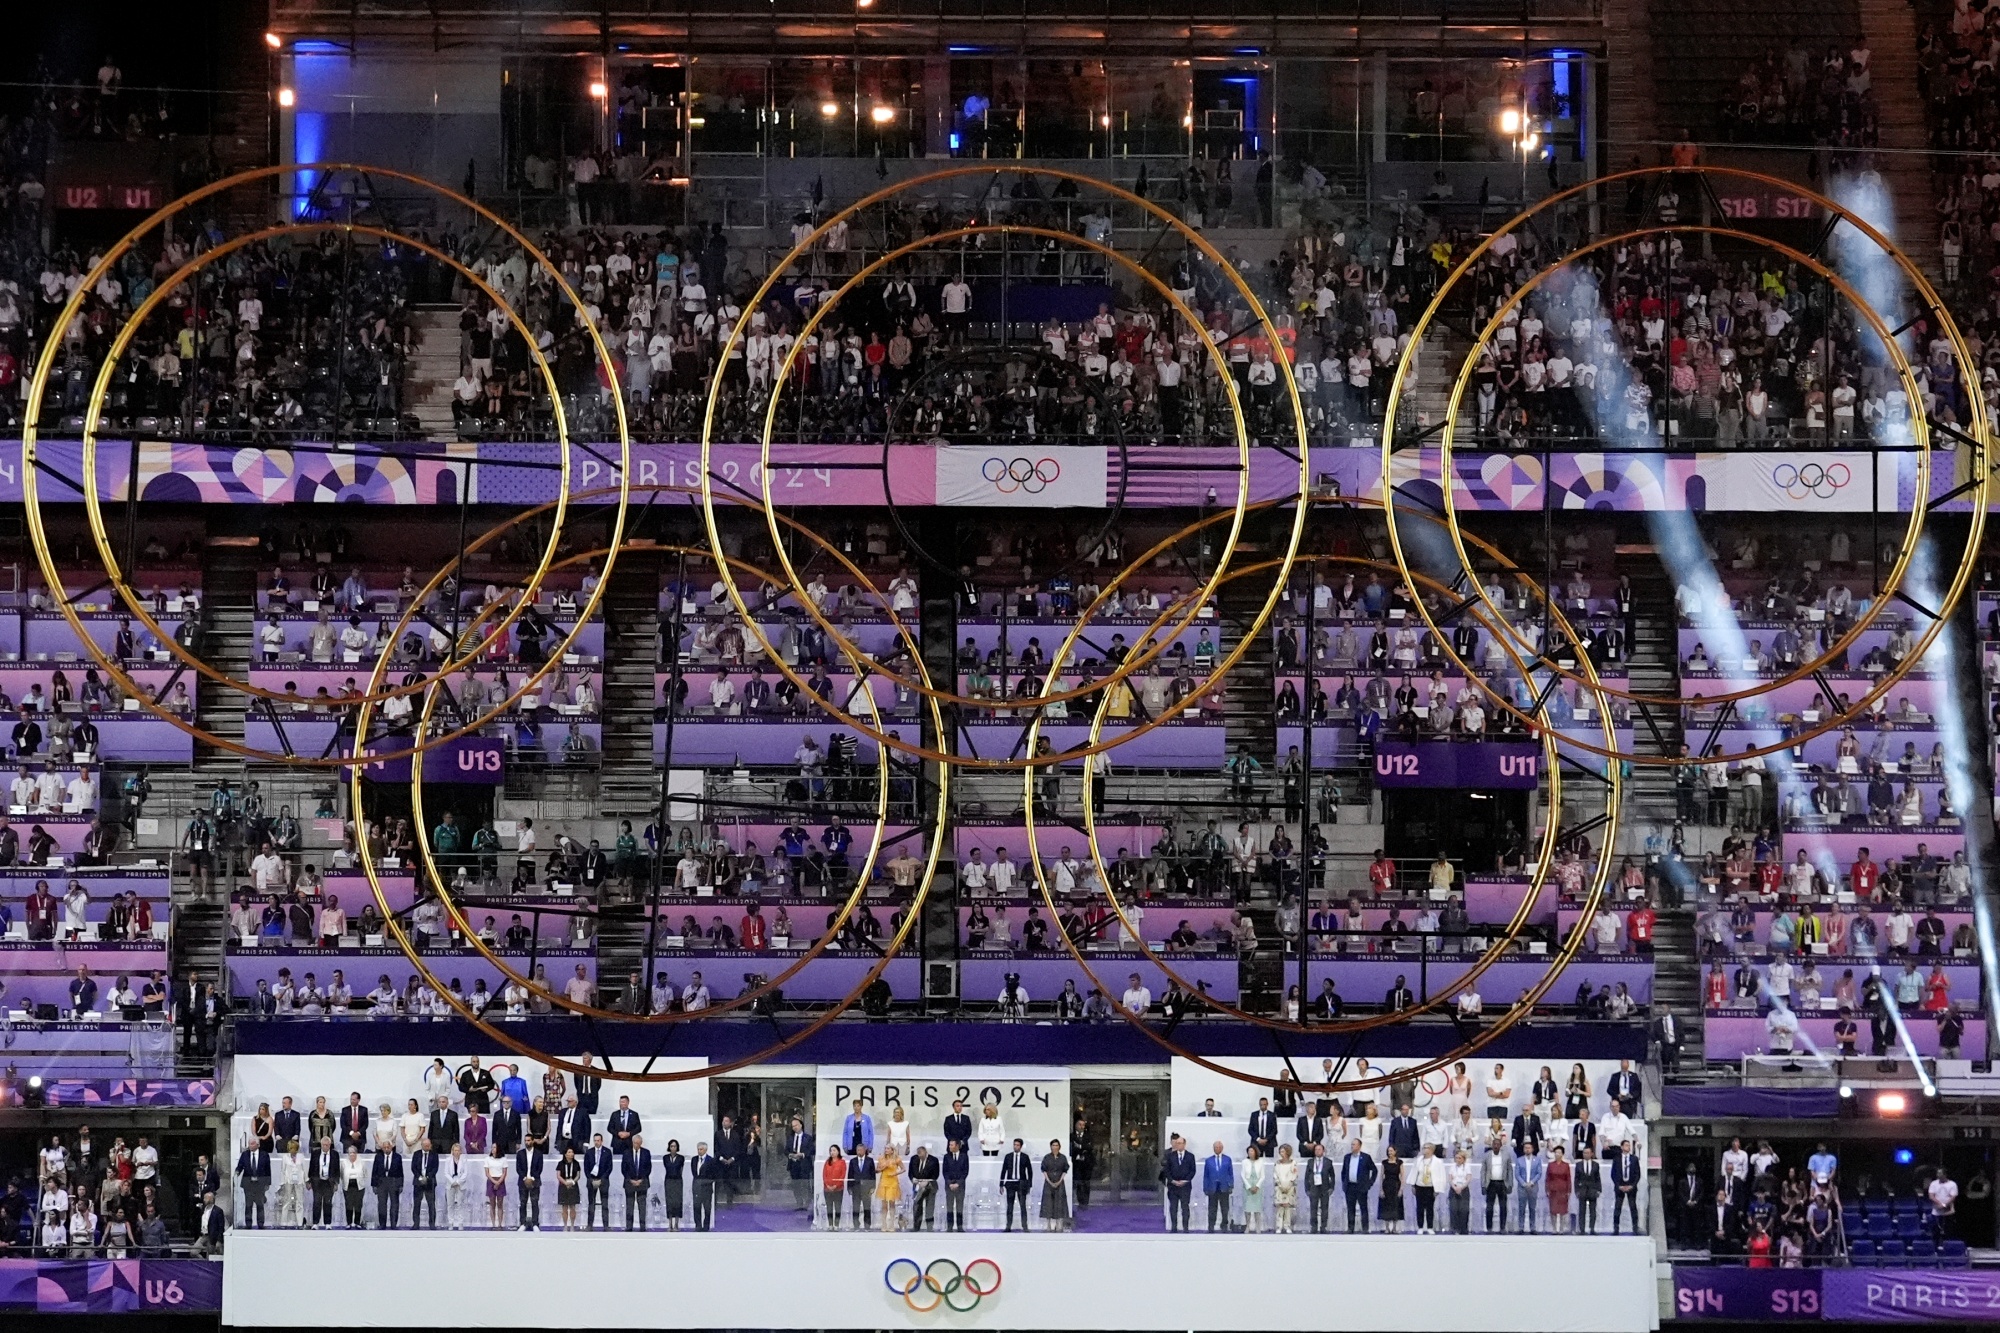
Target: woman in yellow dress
[[889, 1189]]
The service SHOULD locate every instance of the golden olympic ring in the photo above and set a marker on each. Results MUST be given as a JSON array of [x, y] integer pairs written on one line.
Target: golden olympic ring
[[556, 997], [1979, 482], [1194, 239], [1875, 322], [825, 307], [1615, 787], [127, 331], [1544, 860], [30, 486], [506, 1039], [923, 1278]]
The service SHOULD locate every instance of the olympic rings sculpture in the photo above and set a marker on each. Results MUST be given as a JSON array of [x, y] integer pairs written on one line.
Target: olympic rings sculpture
[[1978, 479], [784, 372], [1544, 863], [924, 1278], [87, 484]]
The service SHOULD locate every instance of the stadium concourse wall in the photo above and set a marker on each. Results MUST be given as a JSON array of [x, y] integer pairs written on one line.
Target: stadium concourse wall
[[1045, 476], [1497, 1284]]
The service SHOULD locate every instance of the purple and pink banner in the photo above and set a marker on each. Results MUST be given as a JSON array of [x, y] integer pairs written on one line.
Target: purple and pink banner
[[1850, 1295], [111, 1286], [837, 474]]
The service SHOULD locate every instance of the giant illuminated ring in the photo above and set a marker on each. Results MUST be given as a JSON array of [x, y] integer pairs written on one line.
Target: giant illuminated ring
[[1524, 1006], [499, 1033], [1977, 439], [557, 997], [1135, 661], [1911, 388], [92, 504], [1544, 862]]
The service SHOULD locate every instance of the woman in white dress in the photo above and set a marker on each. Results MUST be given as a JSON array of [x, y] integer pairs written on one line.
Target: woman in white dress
[[388, 1130], [992, 1132], [1459, 1092], [899, 1133], [1285, 1188], [1337, 1135], [413, 1127], [1369, 1130], [1256, 1172], [291, 1172]]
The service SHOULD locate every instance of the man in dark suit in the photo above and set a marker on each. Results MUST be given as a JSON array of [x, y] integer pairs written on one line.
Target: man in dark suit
[[1264, 1130], [504, 1134], [529, 1163], [323, 1177], [1017, 1177], [1725, 1227], [637, 1168], [207, 1180], [706, 1171], [958, 1125], [861, 1187], [1691, 1194], [956, 1166], [597, 1163], [1082, 1161], [799, 1163], [385, 1177], [210, 1225], [1357, 1177], [1528, 1128], [423, 1184], [285, 1126], [443, 1129], [729, 1155], [572, 1128], [924, 1175], [624, 1126], [1319, 1174], [1311, 1130], [1626, 1174], [353, 1124], [1624, 1088], [588, 1088], [1178, 1171], [253, 1169], [1404, 1136]]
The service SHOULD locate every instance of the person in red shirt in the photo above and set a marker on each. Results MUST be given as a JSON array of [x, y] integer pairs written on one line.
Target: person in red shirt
[[1717, 991], [1381, 874], [1770, 877], [1937, 990], [753, 933], [1639, 929], [41, 914], [1863, 876]]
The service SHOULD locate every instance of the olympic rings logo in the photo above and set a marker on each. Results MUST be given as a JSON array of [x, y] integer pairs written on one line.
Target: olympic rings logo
[[1811, 479], [1025, 475], [906, 1278]]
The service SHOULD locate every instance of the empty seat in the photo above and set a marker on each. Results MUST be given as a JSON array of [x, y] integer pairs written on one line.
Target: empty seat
[[1862, 1252], [1889, 1253], [1952, 1253], [1881, 1226], [1922, 1251]]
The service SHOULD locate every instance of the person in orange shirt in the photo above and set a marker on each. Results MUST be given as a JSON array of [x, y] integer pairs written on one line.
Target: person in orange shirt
[[833, 1185]]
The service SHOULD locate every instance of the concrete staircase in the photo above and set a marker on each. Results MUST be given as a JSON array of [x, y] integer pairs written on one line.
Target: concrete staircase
[[1890, 27], [431, 369], [1632, 118]]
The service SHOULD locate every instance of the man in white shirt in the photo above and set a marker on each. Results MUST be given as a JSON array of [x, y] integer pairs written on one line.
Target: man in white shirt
[[1001, 874], [972, 874], [1137, 999], [695, 996], [82, 791], [267, 871]]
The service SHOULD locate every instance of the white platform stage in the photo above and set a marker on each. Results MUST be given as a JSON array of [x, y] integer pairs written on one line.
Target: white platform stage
[[687, 1280]]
